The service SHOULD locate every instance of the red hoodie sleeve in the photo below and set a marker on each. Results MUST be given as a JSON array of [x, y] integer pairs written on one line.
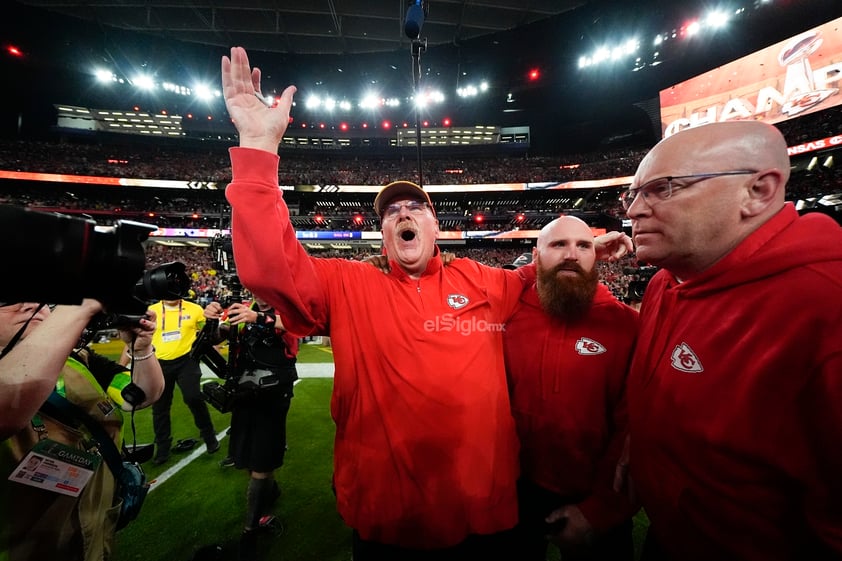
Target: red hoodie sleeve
[[606, 508], [270, 261]]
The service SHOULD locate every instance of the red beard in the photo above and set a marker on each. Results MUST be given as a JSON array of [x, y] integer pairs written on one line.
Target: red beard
[[568, 298]]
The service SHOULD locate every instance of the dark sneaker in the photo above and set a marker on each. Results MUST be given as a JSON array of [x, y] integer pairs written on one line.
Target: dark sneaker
[[227, 462], [161, 459], [213, 445], [185, 445]]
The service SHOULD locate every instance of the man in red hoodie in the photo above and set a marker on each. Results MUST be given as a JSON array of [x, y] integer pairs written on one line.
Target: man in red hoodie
[[735, 388], [425, 454], [568, 348]]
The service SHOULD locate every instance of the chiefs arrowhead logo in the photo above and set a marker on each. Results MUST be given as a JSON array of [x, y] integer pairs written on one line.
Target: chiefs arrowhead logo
[[685, 360], [457, 301], [585, 346]]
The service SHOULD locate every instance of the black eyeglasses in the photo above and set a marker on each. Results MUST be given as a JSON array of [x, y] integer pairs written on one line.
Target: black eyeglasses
[[662, 188]]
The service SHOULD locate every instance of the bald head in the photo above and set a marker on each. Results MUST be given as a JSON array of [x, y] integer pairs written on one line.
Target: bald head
[[563, 226], [729, 145], [728, 180]]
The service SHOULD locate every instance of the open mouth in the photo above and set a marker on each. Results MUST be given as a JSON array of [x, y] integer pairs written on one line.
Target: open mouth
[[407, 235]]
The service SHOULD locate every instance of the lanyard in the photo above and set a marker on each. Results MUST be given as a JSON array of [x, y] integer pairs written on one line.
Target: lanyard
[[164, 316]]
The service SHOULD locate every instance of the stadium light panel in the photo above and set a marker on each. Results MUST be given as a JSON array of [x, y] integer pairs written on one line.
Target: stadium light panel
[[144, 82], [105, 76], [692, 29], [717, 19], [203, 92], [370, 101]]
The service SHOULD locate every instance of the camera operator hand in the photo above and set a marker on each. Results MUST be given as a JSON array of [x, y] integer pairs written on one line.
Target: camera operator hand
[[241, 313], [141, 333], [214, 310], [146, 370]]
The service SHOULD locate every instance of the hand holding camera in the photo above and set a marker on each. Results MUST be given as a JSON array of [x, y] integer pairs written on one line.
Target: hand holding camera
[[240, 313], [141, 333]]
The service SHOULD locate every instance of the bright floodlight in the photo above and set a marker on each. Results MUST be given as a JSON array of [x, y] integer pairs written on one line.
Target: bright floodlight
[[203, 92], [483, 86], [345, 105], [717, 19], [144, 82], [104, 76], [312, 102], [329, 104], [692, 28], [370, 101]]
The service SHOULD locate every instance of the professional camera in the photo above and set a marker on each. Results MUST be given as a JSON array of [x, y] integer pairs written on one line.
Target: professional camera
[[221, 396], [641, 277], [61, 259]]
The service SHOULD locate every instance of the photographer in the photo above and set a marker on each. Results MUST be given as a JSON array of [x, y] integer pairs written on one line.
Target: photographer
[[41, 355], [263, 374]]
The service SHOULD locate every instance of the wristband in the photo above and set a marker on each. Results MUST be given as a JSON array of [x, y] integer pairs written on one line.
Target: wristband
[[150, 354]]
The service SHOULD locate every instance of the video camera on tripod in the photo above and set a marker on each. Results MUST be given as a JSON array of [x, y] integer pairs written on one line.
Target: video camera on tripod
[[221, 396]]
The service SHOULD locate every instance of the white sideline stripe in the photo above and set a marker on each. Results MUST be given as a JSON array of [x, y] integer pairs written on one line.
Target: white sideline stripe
[[184, 462]]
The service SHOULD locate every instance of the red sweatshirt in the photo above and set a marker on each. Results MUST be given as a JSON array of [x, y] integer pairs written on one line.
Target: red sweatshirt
[[567, 386], [735, 400], [426, 450]]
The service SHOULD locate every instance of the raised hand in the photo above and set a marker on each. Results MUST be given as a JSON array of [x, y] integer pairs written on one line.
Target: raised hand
[[612, 246], [259, 125]]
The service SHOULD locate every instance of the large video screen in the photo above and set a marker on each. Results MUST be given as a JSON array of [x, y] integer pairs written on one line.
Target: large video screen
[[797, 76]]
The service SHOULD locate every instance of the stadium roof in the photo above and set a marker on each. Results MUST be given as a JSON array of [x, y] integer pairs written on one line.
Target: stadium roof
[[312, 26]]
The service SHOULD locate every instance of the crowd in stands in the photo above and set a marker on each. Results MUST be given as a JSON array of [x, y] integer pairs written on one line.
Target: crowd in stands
[[207, 208], [150, 162], [211, 284], [211, 164]]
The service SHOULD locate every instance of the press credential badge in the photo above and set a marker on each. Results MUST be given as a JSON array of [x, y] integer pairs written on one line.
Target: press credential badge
[[56, 467]]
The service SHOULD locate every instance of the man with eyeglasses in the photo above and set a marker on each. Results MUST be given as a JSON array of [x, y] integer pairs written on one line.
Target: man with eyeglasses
[[425, 454], [736, 384]]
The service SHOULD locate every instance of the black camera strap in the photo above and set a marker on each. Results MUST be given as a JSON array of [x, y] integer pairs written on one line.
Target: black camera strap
[[60, 409], [20, 332]]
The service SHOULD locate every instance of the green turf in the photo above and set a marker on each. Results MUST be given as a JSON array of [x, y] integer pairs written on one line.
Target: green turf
[[204, 504]]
